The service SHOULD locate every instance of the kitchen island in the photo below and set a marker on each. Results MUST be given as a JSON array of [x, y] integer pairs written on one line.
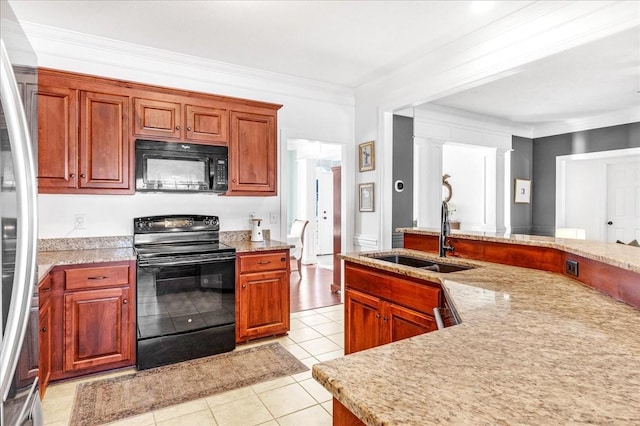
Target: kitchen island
[[534, 347]]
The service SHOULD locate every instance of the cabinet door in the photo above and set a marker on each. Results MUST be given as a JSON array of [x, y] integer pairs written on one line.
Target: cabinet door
[[104, 141], [362, 321], [263, 304], [27, 368], [44, 369], [402, 323], [57, 138], [96, 328], [157, 118], [207, 124], [252, 154]]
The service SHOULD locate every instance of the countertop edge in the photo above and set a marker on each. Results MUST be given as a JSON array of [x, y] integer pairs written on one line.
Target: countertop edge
[[586, 248]]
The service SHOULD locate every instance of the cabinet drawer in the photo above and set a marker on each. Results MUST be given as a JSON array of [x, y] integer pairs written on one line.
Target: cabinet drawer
[[263, 262], [105, 276]]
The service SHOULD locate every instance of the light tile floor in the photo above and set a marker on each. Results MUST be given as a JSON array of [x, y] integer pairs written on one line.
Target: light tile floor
[[316, 335]]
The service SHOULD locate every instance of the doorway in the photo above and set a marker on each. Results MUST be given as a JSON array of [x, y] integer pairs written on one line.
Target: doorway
[[311, 197], [599, 194]]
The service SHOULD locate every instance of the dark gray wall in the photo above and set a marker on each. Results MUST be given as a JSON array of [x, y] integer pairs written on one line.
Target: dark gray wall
[[402, 202], [521, 168], [545, 151]]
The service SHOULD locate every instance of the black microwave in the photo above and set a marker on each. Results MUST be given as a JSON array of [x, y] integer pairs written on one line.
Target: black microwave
[[180, 167]]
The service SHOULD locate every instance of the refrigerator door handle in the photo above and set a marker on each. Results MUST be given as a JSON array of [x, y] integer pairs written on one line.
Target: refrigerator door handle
[[24, 278]]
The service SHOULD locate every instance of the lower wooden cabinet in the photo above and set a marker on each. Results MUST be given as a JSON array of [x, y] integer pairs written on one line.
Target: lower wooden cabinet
[[96, 328], [262, 295], [27, 368], [44, 338], [35, 355], [92, 318], [374, 314]]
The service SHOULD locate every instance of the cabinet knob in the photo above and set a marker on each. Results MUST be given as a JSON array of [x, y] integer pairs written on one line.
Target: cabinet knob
[[610, 223], [43, 329], [385, 319], [72, 175], [177, 127], [125, 301], [233, 180], [83, 176], [188, 129], [244, 286], [377, 315]]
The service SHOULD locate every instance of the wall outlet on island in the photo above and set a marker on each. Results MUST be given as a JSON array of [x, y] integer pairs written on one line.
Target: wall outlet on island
[[572, 268]]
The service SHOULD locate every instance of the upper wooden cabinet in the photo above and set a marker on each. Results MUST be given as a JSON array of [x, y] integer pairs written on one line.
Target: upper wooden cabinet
[[57, 138], [87, 127], [104, 141], [252, 154], [174, 120], [83, 141], [206, 124], [157, 118]]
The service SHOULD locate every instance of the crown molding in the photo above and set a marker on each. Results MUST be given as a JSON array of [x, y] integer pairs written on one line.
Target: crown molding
[[74, 51], [456, 117], [615, 118]]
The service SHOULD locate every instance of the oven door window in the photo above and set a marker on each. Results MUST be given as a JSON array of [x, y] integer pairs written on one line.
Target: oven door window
[[179, 299]]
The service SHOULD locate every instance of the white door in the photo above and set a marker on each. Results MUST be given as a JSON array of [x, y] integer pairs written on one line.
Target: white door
[[324, 216], [623, 202]]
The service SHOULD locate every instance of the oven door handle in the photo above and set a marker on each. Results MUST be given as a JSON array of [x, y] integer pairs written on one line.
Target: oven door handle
[[145, 264]]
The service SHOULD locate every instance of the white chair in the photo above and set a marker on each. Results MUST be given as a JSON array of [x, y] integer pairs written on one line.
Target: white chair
[[296, 236]]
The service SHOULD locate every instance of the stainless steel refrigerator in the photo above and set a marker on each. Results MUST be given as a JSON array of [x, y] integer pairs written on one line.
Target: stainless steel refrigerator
[[18, 217]]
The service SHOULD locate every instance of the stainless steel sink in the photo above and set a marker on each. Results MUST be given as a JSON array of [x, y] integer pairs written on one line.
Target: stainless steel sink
[[422, 263]]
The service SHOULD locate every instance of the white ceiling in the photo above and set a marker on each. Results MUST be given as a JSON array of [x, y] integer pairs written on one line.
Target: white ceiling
[[350, 43], [590, 80], [343, 42]]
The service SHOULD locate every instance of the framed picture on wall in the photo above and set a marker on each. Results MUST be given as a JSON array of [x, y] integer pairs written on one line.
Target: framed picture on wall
[[522, 191], [366, 197], [366, 158]]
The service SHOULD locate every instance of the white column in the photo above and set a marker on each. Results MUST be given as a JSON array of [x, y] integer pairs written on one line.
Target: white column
[[428, 181], [495, 190], [306, 206]]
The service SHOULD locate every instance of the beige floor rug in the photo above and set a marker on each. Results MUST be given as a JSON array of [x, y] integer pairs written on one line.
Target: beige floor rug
[[116, 398]]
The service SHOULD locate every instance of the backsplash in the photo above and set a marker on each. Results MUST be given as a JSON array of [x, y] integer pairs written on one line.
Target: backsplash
[[87, 243], [91, 243], [241, 235]]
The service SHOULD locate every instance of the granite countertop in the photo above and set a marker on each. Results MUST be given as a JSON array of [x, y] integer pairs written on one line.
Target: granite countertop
[[533, 348], [49, 259], [72, 251], [249, 246], [620, 255]]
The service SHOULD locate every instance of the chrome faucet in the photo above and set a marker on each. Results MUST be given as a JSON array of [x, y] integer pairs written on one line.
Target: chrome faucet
[[445, 229]]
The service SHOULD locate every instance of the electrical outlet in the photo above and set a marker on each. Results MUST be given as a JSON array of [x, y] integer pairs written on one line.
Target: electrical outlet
[[80, 221], [572, 267], [273, 217]]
